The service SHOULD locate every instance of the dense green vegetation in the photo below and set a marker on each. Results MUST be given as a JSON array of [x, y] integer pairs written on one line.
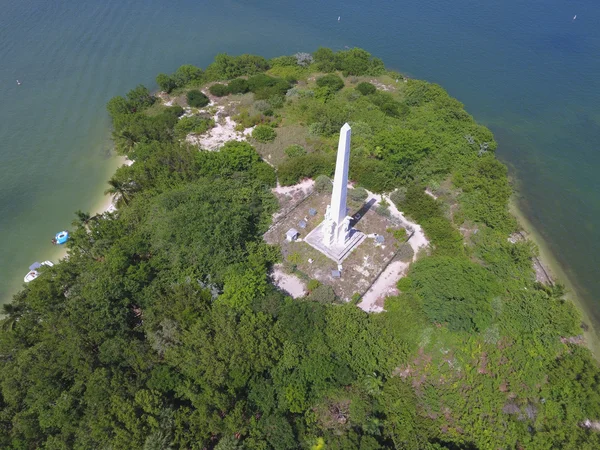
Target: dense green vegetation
[[161, 330], [197, 99]]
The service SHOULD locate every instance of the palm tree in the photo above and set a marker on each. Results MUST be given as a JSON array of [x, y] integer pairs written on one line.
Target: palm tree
[[121, 190], [11, 317], [125, 140]]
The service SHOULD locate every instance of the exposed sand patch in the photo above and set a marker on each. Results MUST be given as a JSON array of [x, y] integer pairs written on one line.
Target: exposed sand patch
[[431, 194], [384, 286], [383, 87], [288, 283], [290, 196], [304, 187], [223, 131]]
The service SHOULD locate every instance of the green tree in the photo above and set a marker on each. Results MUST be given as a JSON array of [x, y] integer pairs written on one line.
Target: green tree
[[366, 88], [165, 82], [139, 98], [197, 99], [325, 59], [122, 190], [331, 81]]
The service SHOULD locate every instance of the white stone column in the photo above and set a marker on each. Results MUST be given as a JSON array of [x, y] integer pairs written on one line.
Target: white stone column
[[340, 181]]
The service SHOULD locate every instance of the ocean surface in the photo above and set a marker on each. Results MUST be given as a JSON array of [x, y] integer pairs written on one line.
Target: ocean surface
[[525, 69]]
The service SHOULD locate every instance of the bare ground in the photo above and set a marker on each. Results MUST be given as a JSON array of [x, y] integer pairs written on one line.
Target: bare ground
[[291, 284]]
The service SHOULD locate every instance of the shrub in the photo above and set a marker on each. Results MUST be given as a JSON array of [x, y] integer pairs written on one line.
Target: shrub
[[265, 174], [316, 129], [358, 194], [306, 93], [366, 88], [261, 105], [357, 61], [261, 82], [386, 103], [283, 61], [405, 253], [325, 59], [291, 78], [455, 291], [404, 284], [331, 81], [245, 120], [398, 196], [444, 237], [197, 99], [383, 209], [323, 184], [295, 258], [265, 87], [192, 124], [375, 175], [293, 151], [307, 166], [312, 285], [303, 59], [226, 67], [219, 90], [276, 101], [323, 294], [264, 133], [324, 94], [187, 75], [361, 131], [175, 111], [238, 86], [399, 234]]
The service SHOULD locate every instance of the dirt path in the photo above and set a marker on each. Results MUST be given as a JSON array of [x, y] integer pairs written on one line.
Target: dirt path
[[383, 287], [418, 239]]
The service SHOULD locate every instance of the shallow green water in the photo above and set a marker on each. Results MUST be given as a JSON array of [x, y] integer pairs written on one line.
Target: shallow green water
[[526, 70]]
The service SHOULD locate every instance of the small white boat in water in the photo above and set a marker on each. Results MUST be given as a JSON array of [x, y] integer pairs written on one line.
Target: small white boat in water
[[33, 272]]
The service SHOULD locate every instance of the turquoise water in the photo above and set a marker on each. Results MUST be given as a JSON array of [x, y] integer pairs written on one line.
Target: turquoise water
[[525, 69]]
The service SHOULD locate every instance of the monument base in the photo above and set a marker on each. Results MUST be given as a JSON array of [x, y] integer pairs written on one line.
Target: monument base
[[336, 252]]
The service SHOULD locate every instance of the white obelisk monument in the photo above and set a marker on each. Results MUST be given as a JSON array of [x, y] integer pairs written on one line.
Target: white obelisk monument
[[334, 236], [337, 224]]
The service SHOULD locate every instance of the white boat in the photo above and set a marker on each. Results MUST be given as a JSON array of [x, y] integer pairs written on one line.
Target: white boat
[[31, 275], [33, 272]]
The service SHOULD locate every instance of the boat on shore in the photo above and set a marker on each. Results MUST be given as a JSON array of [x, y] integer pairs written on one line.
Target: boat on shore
[[61, 237], [33, 270]]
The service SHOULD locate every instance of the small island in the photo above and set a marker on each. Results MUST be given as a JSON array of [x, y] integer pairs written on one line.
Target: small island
[[249, 291]]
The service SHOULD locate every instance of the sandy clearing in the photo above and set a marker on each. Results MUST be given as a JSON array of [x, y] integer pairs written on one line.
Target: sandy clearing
[[288, 283], [384, 286], [304, 186], [223, 131]]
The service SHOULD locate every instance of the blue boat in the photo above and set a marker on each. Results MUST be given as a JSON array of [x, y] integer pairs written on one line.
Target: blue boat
[[61, 237]]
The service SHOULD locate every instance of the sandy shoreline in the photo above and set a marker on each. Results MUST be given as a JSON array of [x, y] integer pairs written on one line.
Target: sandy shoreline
[[556, 272], [103, 204]]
